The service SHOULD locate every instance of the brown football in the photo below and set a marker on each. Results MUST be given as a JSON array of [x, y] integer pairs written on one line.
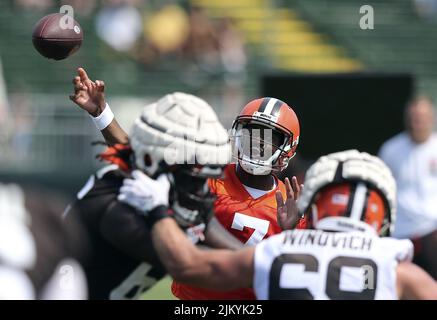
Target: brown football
[[57, 36]]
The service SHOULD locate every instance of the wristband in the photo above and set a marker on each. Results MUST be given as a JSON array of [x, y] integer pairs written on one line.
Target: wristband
[[104, 119], [156, 215]]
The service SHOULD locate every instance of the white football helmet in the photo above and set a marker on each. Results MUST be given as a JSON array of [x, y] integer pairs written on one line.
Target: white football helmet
[[179, 129], [350, 190], [181, 135]]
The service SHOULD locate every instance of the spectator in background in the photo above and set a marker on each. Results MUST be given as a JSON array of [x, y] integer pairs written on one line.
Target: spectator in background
[[426, 9], [119, 24], [39, 5], [202, 45], [81, 7], [167, 29], [412, 157], [232, 51], [215, 48]]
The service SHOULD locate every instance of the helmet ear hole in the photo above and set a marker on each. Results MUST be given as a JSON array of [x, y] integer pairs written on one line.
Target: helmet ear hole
[[147, 160]]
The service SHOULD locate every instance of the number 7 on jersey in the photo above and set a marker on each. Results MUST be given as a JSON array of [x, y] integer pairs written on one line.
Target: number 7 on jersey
[[261, 227]]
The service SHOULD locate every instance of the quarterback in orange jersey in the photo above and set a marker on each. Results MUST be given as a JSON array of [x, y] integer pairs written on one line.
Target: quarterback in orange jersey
[[265, 136]]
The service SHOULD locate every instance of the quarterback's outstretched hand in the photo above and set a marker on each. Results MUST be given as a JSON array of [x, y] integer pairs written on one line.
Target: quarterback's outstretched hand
[[88, 95], [144, 193], [287, 212]]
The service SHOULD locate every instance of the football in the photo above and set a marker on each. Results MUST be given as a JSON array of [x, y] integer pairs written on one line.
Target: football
[[57, 36]]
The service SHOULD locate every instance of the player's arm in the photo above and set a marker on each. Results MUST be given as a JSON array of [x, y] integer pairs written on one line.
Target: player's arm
[[215, 269], [218, 269], [414, 283], [217, 236], [114, 134], [90, 96]]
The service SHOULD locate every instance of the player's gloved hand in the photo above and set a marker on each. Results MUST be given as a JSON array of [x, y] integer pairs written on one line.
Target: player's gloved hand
[[151, 198], [144, 193]]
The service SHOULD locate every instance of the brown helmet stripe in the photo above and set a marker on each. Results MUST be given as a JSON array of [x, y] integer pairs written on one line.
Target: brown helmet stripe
[[271, 106], [263, 105]]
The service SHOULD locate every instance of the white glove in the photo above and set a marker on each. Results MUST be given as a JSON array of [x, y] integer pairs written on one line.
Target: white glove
[[143, 193]]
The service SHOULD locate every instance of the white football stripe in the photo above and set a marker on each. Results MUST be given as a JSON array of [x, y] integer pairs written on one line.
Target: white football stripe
[[358, 204], [270, 105]]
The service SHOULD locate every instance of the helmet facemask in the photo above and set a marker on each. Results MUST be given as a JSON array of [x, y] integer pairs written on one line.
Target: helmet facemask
[[259, 148]]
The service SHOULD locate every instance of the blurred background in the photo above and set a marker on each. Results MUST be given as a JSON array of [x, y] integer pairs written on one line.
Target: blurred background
[[226, 51]]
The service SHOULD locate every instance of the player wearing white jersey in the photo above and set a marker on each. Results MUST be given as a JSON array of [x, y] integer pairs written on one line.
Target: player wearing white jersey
[[314, 264], [350, 199], [39, 252]]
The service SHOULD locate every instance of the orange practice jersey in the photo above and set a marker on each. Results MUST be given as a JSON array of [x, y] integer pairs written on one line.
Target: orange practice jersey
[[250, 220]]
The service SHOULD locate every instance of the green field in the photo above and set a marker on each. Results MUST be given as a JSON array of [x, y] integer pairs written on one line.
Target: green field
[[161, 291]]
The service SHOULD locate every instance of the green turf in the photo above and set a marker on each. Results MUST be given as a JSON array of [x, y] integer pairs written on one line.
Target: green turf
[[161, 291]]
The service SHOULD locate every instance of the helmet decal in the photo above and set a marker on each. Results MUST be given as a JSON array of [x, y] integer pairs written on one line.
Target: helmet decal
[[270, 106]]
